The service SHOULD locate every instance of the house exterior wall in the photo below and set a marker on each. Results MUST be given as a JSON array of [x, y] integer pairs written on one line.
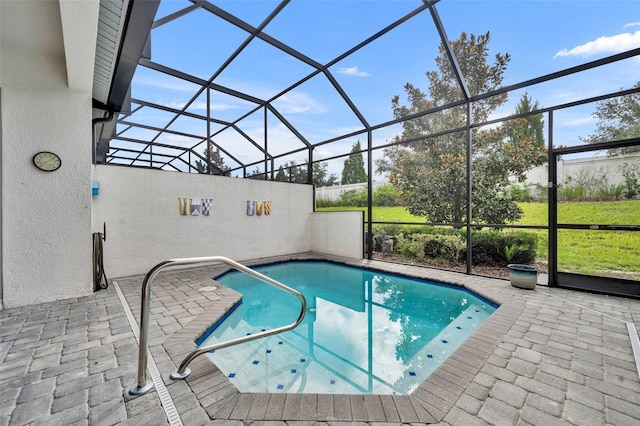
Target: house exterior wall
[[144, 227], [46, 216]]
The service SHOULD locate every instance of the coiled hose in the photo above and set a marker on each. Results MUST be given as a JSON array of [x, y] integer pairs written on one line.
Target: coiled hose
[[99, 276]]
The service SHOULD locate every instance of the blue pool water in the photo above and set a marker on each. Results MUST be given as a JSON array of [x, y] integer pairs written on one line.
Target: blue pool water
[[364, 331]]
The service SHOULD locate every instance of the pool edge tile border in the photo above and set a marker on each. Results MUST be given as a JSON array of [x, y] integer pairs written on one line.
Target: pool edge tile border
[[429, 403]]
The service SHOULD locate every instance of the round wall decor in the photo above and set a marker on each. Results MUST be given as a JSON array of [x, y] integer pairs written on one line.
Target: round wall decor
[[47, 161]]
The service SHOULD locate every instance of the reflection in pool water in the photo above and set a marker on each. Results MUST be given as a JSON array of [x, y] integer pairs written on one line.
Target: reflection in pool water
[[364, 331]]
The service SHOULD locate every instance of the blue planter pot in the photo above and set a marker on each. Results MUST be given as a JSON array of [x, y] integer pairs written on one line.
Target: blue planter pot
[[523, 276]]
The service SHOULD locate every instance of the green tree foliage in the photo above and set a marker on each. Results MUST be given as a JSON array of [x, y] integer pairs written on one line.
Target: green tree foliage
[[535, 123], [216, 164], [297, 173], [386, 195], [281, 176], [430, 173], [353, 169], [292, 172], [256, 174], [618, 119], [321, 177]]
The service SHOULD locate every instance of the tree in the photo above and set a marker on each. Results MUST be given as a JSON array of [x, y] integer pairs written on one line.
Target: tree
[[619, 119], [281, 176], [217, 163], [292, 172], [321, 176], [353, 169], [535, 123], [430, 172], [256, 174], [297, 173]]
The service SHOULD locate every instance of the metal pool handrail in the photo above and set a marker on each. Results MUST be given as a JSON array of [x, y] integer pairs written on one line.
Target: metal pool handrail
[[143, 385]]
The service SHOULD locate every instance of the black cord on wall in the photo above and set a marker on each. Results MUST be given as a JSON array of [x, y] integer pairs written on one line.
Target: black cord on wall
[[99, 276]]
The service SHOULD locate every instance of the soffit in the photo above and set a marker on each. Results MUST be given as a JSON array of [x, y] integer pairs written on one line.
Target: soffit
[[111, 20]]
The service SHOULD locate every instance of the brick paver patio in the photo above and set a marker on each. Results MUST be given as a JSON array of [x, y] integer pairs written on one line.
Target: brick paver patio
[[546, 357]]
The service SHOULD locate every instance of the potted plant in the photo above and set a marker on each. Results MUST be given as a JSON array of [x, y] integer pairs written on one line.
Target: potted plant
[[523, 276], [520, 275]]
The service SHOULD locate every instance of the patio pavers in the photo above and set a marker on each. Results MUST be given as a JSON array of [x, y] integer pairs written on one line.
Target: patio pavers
[[552, 356]]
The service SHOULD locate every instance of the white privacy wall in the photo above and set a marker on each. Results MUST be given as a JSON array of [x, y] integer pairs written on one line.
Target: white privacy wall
[[338, 233], [143, 225], [581, 168]]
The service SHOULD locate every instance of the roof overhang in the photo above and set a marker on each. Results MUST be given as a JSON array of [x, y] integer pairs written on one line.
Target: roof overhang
[[122, 38]]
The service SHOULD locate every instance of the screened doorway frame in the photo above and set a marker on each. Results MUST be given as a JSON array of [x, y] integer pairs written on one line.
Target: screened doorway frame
[[572, 280]]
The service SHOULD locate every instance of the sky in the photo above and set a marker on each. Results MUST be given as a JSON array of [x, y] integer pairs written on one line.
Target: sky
[[541, 36]]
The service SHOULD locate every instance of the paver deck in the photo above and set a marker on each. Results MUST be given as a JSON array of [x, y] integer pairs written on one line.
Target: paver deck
[[546, 357]]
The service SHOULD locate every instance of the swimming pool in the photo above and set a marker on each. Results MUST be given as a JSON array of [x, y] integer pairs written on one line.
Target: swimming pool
[[364, 331]]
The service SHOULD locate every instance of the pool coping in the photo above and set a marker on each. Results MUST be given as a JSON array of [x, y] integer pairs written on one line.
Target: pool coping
[[429, 403]]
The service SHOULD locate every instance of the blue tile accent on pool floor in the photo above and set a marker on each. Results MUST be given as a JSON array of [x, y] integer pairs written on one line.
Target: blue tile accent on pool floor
[[265, 358]]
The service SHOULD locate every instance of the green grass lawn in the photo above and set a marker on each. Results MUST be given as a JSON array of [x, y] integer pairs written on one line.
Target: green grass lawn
[[588, 252], [588, 212]]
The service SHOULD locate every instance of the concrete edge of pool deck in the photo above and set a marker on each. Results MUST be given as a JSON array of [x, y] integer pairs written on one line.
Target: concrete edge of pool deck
[[429, 403]]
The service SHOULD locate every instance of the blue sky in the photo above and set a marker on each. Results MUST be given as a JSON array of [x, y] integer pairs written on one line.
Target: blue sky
[[541, 37]]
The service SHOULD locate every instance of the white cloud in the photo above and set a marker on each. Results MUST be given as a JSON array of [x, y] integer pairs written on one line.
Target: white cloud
[[176, 140], [605, 44], [631, 24], [577, 122], [298, 103], [354, 71]]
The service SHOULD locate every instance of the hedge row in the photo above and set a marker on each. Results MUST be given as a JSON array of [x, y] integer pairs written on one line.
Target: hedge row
[[489, 247]]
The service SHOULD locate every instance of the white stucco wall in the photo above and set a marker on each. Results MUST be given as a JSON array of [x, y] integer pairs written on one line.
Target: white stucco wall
[[46, 218], [338, 233], [144, 227]]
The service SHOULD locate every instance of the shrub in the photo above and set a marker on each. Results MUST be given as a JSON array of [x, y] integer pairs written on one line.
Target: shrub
[[631, 187], [608, 192], [593, 185], [499, 247], [539, 192], [528, 192], [385, 195], [445, 247], [321, 202], [353, 198], [521, 194]]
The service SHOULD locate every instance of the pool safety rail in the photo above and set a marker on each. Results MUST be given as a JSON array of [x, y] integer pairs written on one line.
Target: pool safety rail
[[143, 384]]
